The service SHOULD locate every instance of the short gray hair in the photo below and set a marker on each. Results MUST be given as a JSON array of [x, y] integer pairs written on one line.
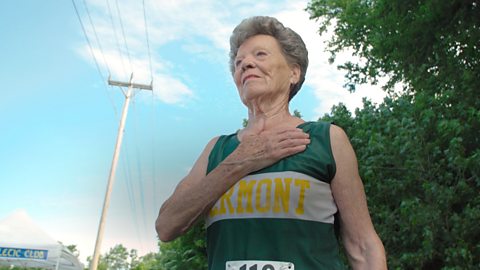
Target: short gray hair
[[290, 42]]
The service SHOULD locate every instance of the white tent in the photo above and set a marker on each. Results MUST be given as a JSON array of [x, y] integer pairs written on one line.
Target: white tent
[[24, 244]]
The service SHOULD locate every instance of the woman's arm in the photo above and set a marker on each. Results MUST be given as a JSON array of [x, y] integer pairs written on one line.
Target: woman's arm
[[197, 192], [195, 195], [363, 246]]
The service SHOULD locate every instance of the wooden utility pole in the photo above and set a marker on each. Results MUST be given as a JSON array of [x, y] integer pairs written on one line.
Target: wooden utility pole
[[111, 178]]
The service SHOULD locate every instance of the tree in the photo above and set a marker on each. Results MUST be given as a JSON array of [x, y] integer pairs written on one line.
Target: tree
[[416, 42], [148, 262], [74, 250], [186, 252], [118, 258], [418, 150]]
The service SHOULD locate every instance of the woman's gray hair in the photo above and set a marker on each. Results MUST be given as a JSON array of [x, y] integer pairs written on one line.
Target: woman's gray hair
[[292, 45]]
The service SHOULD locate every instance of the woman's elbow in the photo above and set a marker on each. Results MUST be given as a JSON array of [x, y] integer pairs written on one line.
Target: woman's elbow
[[164, 232]]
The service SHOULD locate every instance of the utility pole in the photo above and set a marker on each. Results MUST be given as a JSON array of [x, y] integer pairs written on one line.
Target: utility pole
[[111, 178]]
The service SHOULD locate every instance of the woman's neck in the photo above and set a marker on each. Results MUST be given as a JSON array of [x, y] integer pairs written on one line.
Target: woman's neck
[[262, 117]]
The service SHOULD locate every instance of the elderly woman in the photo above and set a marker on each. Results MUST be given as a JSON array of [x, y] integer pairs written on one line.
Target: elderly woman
[[272, 192]]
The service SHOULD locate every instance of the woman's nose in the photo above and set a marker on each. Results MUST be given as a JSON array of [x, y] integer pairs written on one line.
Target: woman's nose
[[248, 63]]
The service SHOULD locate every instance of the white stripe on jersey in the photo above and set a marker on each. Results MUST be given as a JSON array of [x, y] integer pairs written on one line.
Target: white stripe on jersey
[[276, 195]]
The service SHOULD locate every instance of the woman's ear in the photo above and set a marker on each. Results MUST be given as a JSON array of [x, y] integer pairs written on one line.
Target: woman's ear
[[295, 75]]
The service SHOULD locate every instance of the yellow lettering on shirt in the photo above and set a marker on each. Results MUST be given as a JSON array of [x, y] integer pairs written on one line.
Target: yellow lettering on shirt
[[267, 182], [222, 210], [263, 196], [245, 190], [303, 184], [282, 195]]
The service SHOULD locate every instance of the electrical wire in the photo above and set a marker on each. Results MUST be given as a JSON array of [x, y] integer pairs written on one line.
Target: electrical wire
[[96, 36], [88, 40], [148, 43], [153, 109], [116, 39], [123, 34], [141, 182], [154, 162], [95, 59], [130, 192]]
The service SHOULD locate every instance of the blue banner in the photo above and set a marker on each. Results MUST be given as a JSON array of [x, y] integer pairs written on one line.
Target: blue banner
[[23, 253]]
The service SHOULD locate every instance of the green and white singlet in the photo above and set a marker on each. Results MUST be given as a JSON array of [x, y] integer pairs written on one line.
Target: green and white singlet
[[281, 217]]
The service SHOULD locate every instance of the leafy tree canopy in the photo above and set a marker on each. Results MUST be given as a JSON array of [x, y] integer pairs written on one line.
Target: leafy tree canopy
[[118, 258], [419, 150], [429, 45], [186, 252]]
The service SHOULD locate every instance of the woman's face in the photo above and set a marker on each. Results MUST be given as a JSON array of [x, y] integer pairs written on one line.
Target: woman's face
[[261, 70]]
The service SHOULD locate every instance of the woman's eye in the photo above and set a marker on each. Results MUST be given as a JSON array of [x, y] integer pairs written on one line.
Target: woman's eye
[[261, 53]]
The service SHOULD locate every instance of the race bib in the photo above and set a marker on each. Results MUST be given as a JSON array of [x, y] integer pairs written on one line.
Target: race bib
[[258, 265]]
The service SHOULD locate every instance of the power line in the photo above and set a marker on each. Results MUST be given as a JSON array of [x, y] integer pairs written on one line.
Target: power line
[[139, 166], [123, 33], [116, 39], [93, 56], [88, 41], [153, 106], [131, 193], [148, 43], [154, 163], [96, 36]]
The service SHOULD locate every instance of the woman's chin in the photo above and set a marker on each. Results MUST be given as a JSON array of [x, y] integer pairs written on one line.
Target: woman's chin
[[252, 93]]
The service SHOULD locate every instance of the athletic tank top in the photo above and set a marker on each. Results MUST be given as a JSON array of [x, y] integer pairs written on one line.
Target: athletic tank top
[[282, 213]]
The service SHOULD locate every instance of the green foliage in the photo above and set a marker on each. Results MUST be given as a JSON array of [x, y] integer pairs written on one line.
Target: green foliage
[[186, 252], [118, 257], [297, 113], [422, 187], [244, 122], [418, 151], [74, 250], [419, 43], [148, 262]]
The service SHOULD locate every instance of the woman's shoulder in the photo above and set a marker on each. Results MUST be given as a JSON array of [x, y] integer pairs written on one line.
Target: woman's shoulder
[[318, 123], [316, 127]]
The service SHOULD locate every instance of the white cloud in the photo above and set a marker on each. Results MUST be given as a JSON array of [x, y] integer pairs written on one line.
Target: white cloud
[[111, 51], [170, 90], [167, 21], [188, 21]]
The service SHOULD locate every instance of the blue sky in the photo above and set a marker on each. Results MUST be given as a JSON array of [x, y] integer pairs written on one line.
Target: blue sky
[[59, 119]]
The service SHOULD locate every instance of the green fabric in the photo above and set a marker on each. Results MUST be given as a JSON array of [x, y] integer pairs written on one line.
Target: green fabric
[[307, 244], [316, 161]]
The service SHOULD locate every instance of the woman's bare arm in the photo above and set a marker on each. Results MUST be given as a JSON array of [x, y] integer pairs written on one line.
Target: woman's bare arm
[[363, 246]]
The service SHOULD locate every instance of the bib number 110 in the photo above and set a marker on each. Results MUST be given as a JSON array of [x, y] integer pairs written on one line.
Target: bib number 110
[[255, 267], [259, 265]]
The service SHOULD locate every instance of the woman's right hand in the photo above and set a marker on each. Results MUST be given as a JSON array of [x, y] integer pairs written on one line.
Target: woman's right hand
[[257, 151]]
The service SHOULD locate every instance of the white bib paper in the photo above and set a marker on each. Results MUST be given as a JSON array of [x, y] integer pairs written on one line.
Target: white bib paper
[[258, 265]]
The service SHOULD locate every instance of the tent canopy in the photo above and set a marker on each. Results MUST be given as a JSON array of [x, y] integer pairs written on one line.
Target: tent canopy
[[23, 243]]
